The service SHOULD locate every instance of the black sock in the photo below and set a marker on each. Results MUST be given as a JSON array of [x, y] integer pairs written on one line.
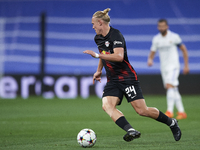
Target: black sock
[[123, 123], [164, 119]]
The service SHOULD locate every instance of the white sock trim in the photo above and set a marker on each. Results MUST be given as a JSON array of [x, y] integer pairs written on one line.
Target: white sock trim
[[173, 123], [131, 129]]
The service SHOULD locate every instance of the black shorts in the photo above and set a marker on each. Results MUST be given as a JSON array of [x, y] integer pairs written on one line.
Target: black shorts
[[131, 90]]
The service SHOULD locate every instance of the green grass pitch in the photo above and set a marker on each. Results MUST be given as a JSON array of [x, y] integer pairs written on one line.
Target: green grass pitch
[[42, 124]]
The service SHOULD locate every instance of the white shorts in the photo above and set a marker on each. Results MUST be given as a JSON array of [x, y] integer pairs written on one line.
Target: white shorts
[[170, 77]]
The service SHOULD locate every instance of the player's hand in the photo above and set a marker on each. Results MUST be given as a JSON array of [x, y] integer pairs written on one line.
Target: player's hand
[[90, 52], [150, 62], [97, 76], [186, 70]]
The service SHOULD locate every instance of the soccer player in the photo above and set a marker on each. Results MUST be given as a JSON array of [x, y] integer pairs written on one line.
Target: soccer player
[[122, 79], [166, 42]]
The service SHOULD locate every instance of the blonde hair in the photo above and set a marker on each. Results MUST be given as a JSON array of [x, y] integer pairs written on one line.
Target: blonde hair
[[103, 15]]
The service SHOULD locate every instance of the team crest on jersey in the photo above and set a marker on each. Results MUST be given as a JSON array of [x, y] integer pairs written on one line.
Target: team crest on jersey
[[107, 44]]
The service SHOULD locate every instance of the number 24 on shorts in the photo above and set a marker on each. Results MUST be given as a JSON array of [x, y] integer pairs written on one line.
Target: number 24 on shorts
[[129, 90]]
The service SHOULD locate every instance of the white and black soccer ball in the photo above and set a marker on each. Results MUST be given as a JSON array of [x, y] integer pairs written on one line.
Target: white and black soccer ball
[[86, 138]]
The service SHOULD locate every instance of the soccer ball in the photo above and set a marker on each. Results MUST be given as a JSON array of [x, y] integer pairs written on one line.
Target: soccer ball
[[86, 138]]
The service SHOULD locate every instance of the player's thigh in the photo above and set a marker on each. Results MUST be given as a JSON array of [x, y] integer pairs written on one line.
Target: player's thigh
[[110, 101], [139, 105], [112, 94], [168, 86], [170, 77]]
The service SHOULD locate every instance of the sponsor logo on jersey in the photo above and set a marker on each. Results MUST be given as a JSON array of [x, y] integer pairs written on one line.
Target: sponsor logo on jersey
[[104, 52], [117, 42], [107, 44]]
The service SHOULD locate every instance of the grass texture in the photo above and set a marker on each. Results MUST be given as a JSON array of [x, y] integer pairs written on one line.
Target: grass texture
[[41, 124]]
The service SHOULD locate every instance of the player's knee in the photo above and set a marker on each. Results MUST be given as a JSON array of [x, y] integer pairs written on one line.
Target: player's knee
[[108, 109], [142, 112], [168, 86], [106, 106]]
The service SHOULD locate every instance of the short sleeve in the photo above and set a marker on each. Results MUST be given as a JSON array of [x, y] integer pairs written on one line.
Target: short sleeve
[[154, 45], [177, 40], [118, 40]]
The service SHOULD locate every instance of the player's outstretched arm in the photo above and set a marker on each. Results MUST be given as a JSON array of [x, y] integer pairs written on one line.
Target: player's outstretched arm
[[117, 56], [92, 53]]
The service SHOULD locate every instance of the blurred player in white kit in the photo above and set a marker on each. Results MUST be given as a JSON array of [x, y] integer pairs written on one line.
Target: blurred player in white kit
[[167, 43]]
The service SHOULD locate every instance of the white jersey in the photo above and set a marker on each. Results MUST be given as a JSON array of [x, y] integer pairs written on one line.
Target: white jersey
[[168, 51]]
